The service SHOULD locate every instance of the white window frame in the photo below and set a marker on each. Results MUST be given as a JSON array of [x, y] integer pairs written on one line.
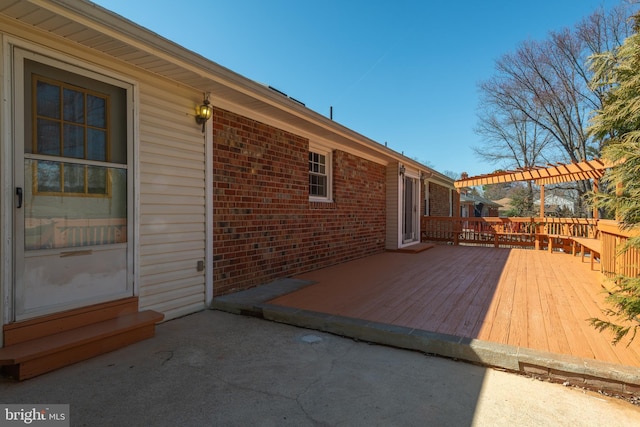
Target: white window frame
[[328, 154]]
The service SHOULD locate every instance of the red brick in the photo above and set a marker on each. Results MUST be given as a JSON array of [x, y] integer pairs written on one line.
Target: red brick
[[263, 220]]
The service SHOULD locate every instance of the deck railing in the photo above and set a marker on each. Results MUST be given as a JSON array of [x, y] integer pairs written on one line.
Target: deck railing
[[614, 261], [505, 232], [540, 233]]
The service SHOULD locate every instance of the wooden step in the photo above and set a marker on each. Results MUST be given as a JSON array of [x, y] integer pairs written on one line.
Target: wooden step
[[47, 353], [26, 330], [45, 343], [416, 248]]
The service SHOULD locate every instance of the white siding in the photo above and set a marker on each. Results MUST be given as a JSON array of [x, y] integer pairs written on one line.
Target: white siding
[[170, 191], [172, 202]]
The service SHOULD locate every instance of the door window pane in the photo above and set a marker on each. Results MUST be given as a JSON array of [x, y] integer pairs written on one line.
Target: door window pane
[[73, 141], [48, 137], [96, 144], [53, 220], [48, 100], [73, 106], [97, 180], [96, 111], [48, 175], [84, 121], [81, 131], [73, 178]]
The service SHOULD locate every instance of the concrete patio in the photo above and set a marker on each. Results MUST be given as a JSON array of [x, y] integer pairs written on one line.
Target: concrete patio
[[218, 369], [520, 310]]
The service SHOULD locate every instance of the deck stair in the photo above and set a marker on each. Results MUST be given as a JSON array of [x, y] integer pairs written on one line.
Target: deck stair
[[36, 346], [415, 248]]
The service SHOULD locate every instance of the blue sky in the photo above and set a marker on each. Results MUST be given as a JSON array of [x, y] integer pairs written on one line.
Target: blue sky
[[401, 72]]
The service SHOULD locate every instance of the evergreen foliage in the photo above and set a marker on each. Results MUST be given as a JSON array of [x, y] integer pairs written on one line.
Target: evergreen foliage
[[617, 125]]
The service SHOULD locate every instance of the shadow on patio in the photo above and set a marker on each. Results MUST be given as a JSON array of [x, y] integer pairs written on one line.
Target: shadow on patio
[[516, 309]]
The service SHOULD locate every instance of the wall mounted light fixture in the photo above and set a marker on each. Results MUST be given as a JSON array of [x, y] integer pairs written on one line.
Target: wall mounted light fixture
[[204, 111], [402, 170]]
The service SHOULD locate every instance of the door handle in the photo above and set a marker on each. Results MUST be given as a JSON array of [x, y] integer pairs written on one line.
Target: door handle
[[19, 194]]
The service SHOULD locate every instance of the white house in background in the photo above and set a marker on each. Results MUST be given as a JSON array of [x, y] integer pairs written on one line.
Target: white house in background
[[553, 203]]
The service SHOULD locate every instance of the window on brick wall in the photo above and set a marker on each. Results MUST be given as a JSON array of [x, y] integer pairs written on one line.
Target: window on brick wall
[[319, 175]]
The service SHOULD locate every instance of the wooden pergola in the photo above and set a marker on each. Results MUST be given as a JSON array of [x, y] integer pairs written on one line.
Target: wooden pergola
[[551, 174]]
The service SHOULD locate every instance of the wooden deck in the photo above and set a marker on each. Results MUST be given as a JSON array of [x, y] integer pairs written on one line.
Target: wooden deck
[[519, 297]]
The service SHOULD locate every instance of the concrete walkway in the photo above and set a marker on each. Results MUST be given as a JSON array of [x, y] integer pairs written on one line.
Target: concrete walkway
[[219, 369]]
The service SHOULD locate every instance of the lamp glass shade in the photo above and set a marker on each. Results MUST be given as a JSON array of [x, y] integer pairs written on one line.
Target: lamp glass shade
[[204, 112]]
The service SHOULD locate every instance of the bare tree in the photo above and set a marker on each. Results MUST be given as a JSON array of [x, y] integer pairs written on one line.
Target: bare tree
[[452, 174], [545, 84], [512, 140], [605, 33]]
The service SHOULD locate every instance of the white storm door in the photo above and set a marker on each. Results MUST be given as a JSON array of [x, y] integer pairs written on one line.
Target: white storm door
[[72, 220]]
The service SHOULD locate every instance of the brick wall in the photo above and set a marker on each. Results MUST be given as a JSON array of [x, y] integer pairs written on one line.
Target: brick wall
[[438, 200], [264, 225]]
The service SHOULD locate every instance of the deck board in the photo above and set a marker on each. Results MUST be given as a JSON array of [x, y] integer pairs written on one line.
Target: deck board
[[519, 297]]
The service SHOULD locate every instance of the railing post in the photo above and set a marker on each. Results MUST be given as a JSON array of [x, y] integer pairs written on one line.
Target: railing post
[[596, 185], [538, 235], [457, 228]]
